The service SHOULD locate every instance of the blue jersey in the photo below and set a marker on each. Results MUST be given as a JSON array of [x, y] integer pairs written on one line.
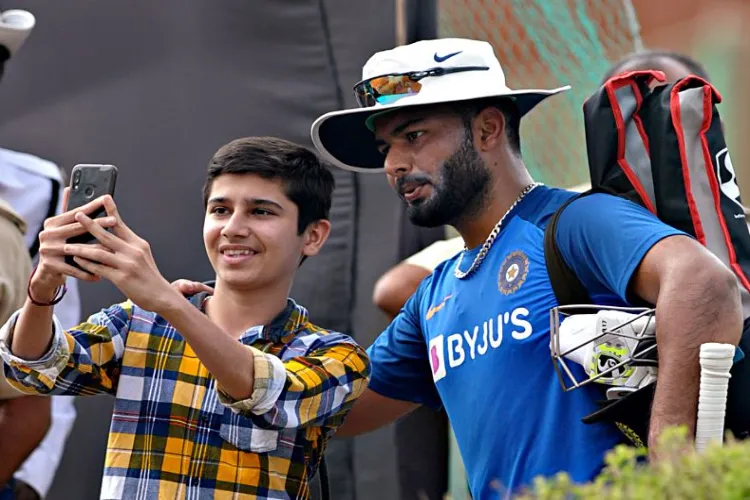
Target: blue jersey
[[480, 346]]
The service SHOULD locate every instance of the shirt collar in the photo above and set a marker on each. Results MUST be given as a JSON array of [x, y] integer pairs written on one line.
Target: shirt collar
[[288, 322], [281, 329]]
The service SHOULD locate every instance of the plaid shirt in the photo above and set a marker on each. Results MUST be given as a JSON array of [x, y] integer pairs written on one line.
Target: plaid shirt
[[174, 434]]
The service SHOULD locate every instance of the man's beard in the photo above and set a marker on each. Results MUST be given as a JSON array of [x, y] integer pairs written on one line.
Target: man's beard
[[460, 193]]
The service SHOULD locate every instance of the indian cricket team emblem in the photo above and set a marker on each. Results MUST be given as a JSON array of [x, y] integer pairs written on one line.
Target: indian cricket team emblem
[[513, 272]]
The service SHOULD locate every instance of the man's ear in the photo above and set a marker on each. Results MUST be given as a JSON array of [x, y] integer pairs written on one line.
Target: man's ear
[[489, 128], [315, 237]]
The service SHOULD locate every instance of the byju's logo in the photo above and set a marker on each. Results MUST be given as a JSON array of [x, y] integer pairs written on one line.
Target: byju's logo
[[452, 351], [437, 358]]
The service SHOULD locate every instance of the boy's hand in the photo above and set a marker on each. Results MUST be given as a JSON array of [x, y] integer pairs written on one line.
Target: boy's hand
[[123, 258], [52, 269], [187, 287]]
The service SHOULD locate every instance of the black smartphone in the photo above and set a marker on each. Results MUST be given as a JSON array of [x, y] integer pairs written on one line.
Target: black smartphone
[[87, 183]]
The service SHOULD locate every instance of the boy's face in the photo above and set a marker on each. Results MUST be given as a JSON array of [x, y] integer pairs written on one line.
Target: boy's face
[[250, 232]]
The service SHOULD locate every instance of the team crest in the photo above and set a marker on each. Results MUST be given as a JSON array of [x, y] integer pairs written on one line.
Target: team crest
[[513, 272]]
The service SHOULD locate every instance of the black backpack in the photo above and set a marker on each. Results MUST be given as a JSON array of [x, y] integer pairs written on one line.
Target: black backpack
[[664, 149]]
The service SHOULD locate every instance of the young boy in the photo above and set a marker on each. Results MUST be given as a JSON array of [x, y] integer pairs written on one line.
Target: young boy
[[231, 395]]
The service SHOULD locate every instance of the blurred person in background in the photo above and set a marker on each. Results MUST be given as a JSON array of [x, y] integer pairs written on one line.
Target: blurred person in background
[[400, 282], [24, 420], [32, 187], [674, 65], [248, 390]]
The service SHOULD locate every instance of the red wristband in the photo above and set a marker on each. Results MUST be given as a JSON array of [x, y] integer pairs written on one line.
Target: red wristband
[[59, 293]]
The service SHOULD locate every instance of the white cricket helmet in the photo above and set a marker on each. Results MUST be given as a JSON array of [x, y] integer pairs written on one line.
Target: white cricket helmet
[[615, 346]]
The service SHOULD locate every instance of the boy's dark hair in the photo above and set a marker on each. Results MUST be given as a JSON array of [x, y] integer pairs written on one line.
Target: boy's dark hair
[[306, 181], [652, 57], [468, 110]]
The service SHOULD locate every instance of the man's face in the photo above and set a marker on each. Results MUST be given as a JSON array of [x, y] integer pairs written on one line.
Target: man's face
[[250, 231], [432, 164]]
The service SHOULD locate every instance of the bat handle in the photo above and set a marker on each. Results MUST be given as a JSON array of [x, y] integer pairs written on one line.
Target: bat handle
[[716, 361]]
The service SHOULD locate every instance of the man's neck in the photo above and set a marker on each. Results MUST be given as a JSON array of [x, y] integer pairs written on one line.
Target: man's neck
[[504, 191], [236, 311]]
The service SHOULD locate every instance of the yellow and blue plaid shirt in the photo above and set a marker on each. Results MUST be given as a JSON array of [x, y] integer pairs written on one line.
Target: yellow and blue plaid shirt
[[173, 433]]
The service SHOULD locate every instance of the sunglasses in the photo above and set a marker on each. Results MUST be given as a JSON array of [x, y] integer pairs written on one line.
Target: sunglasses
[[387, 89]]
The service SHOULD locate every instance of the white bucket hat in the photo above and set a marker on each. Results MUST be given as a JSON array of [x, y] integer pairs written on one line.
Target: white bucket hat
[[453, 69], [15, 27]]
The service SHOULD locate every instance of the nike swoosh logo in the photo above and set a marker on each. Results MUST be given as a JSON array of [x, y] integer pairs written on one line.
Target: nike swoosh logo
[[432, 310], [445, 57]]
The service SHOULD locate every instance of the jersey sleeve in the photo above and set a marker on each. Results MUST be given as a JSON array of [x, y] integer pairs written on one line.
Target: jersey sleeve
[[400, 367], [604, 238]]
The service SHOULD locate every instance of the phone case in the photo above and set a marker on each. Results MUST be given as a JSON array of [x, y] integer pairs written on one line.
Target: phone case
[[88, 182]]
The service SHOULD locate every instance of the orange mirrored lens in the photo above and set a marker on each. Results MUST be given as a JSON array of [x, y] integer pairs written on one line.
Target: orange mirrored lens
[[394, 85]]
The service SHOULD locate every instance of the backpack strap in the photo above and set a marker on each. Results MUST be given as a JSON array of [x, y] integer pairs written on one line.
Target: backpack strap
[[565, 283]]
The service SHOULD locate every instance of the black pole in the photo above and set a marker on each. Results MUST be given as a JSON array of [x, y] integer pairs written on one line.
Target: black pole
[[421, 20]]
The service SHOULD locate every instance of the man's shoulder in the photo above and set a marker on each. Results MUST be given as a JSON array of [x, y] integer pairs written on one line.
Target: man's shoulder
[[546, 202], [29, 163], [596, 208], [603, 208]]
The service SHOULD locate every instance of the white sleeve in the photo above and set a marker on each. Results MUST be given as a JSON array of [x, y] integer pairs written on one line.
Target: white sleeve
[[430, 257]]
